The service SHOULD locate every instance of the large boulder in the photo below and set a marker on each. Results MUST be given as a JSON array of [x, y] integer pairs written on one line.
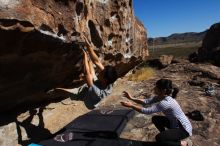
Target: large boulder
[[210, 50], [161, 62], [39, 46]]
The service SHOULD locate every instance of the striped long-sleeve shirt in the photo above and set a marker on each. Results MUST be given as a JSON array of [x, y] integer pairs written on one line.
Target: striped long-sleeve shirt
[[172, 111]]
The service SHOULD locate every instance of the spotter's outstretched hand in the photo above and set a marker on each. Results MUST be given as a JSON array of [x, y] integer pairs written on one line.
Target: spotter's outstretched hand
[[127, 103]]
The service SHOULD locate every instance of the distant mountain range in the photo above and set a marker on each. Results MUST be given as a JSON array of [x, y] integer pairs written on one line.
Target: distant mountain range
[[177, 38]]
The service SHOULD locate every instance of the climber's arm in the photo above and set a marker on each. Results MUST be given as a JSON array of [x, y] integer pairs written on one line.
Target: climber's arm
[[95, 59], [87, 70]]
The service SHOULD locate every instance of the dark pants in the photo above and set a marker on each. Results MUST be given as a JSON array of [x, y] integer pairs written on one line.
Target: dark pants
[[169, 137]]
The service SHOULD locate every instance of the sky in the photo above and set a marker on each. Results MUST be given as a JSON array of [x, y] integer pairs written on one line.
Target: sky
[[162, 18]]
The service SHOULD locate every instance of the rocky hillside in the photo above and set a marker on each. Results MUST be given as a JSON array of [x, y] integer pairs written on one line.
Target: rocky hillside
[[40, 43], [178, 38], [190, 78]]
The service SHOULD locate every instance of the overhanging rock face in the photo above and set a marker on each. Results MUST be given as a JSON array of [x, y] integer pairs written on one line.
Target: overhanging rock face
[[39, 48]]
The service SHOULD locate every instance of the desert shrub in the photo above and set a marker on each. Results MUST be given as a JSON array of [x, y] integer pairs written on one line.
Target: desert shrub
[[142, 74]]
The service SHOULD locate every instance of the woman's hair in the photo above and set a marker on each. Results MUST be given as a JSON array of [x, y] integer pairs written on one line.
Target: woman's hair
[[166, 85]]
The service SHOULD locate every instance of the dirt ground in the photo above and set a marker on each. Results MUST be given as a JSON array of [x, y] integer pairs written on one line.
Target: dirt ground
[[191, 97]]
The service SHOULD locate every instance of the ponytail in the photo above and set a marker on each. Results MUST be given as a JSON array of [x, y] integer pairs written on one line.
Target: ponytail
[[174, 93]]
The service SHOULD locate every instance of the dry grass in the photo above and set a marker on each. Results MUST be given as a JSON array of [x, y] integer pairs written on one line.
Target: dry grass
[[142, 74]]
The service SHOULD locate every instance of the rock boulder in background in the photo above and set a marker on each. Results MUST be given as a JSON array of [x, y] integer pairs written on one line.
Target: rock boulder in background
[[210, 50]]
